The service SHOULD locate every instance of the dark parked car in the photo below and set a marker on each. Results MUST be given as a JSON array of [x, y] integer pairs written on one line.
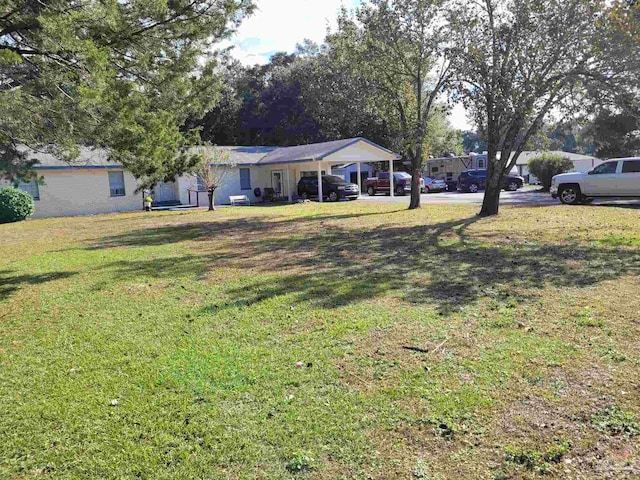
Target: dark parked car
[[474, 180], [333, 188]]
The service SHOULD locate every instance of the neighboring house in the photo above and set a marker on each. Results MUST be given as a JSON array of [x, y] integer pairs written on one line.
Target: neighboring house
[[94, 185], [581, 163]]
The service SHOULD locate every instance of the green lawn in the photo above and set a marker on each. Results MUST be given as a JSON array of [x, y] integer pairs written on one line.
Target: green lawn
[[322, 341]]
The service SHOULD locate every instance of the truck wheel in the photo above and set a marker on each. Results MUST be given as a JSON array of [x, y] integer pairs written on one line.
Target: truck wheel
[[570, 194], [399, 191], [371, 191], [513, 186], [473, 188], [334, 197]]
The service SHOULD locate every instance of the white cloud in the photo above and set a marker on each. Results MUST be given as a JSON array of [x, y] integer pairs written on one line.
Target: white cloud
[[278, 25]]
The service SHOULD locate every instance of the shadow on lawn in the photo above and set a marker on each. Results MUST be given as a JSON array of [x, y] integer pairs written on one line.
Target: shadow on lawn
[[10, 282], [206, 231], [331, 265]]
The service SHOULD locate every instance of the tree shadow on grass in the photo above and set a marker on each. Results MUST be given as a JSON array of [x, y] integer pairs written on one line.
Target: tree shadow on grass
[[10, 281], [428, 264], [211, 230]]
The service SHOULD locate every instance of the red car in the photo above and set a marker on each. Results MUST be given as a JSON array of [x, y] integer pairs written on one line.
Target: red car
[[401, 183]]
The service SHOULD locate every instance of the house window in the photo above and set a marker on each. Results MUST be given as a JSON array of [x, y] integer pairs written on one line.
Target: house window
[[311, 173], [116, 184], [202, 187], [31, 188], [481, 163], [245, 179], [434, 169]]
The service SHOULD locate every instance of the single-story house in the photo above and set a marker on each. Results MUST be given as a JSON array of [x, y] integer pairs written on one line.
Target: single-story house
[[93, 184], [581, 163]]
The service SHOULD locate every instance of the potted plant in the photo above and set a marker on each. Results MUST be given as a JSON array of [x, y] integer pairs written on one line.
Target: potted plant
[[147, 203]]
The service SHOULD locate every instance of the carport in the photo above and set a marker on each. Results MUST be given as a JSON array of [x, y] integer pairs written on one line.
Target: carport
[[288, 164]]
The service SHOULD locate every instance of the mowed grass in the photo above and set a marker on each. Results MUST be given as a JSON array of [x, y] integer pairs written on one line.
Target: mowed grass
[[322, 341]]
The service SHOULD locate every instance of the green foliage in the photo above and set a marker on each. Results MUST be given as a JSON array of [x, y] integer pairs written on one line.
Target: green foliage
[[546, 50], [301, 463], [398, 47], [15, 205], [538, 461], [615, 134], [123, 75], [616, 421], [545, 166]]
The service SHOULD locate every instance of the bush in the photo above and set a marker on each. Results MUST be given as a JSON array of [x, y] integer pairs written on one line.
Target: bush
[[545, 166], [15, 205]]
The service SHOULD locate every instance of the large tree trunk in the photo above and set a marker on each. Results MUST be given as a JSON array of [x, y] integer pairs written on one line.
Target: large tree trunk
[[416, 164], [495, 180], [495, 175], [211, 207]]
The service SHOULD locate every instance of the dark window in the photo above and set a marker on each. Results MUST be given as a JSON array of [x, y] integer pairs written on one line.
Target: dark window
[[631, 166], [31, 188], [311, 174], [245, 179], [333, 179], [116, 184], [202, 187], [434, 169], [608, 167]]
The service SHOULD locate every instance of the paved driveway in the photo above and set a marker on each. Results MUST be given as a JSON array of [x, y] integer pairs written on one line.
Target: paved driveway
[[527, 196]]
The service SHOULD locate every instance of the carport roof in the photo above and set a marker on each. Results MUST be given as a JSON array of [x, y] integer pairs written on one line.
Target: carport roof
[[299, 153], [313, 151]]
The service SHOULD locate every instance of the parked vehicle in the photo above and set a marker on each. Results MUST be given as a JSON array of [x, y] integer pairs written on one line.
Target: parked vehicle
[[380, 183], [429, 184], [333, 188], [614, 178], [475, 180]]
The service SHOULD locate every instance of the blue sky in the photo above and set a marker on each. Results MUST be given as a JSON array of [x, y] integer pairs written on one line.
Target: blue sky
[[278, 25]]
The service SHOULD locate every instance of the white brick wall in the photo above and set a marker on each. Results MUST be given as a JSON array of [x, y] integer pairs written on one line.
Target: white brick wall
[[82, 192]]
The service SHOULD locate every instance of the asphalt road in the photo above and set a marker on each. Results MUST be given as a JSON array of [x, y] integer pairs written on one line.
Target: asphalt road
[[528, 196]]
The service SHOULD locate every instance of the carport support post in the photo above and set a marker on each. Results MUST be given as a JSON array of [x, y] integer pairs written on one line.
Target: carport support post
[[288, 185], [320, 182], [359, 178], [391, 192]]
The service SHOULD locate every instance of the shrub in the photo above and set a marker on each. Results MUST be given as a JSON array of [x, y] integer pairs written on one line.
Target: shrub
[[545, 166], [15, 205]]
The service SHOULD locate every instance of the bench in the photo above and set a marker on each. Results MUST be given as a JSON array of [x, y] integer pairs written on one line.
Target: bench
[[239, 200]]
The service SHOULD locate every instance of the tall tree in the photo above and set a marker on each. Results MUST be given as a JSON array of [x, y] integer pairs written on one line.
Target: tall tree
[[116, 74], [615, 134], [515, 61], [399, 47]]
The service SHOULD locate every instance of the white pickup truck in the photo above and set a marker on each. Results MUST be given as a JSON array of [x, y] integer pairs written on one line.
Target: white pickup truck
[[619, 177]]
